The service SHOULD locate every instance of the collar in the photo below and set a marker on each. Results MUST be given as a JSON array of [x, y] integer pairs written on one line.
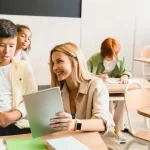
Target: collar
[[14, 63], [101, 58], [83, 88], [119, 57]]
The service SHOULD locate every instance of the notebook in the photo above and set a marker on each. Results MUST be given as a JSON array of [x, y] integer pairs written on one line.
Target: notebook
[[25, 144], [41, 107], [65, 143], [113, 80], [117, 81]]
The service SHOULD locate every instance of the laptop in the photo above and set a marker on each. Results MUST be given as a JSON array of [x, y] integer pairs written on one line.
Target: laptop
[[41, 107]]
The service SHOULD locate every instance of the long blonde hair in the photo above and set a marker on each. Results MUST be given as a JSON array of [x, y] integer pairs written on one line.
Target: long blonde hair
[[80, 72]]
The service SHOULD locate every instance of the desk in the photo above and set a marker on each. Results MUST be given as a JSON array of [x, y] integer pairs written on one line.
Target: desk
[[144, 111], [120, 88], [145, 60], [116, 97], [91, 139]]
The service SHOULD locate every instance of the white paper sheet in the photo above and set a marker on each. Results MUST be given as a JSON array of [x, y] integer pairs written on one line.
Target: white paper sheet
[[117, 81], [65, 143], [2, 145], [113, 80]]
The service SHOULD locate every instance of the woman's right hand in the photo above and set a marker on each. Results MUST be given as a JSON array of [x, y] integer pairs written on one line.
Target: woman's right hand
[[64, 122]]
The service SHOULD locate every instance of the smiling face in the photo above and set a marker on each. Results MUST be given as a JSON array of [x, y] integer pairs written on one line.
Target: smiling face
[[61, 65], [24, 39], [7, 50]]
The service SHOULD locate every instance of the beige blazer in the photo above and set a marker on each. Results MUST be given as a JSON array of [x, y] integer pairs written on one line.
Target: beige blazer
[[92, 101], [23, 82]]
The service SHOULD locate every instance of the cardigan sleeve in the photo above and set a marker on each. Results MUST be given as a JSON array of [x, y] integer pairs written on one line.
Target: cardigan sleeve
[[101, 104]]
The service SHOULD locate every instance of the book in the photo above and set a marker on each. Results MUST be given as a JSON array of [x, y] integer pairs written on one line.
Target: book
[[117, 81], [2, 145], [25, 144], [113, 80], [65, 143]]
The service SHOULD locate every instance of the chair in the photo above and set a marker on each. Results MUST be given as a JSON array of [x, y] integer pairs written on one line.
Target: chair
[[135, 99], [145, 53]]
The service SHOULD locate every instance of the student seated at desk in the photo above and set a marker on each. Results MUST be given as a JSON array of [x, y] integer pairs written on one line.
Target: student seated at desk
[[16, 79], [85, 97], [108, 63]]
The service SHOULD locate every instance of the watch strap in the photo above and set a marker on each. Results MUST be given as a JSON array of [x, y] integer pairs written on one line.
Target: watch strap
[[79, 124]]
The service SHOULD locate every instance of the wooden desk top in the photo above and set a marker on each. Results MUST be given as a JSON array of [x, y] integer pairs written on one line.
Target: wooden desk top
[[146, 60], [120, 88], [91, 139], [144, 111]]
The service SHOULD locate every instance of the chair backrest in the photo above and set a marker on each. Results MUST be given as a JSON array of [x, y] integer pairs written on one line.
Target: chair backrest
[[137, 98], [134, 99], [145, 52]]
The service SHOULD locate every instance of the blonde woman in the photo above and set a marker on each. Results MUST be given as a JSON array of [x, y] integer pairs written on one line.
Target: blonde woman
[[85, 97]]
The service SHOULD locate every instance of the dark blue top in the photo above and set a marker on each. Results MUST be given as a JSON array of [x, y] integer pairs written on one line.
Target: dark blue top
[[73, 116]]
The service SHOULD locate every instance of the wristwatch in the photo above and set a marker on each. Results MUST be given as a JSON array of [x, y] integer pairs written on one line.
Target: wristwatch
[[78, 124]]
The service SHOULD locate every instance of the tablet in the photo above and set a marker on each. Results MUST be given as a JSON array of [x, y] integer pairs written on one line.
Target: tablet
[[41, 107]]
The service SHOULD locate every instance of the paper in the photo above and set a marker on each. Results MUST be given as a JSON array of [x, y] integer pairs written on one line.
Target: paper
[[113, 80], [25, 144], [66, 143], [2, 145], [117, 81]]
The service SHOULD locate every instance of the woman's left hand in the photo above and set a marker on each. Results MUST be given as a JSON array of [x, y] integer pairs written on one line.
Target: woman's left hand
[[124, 79], [65, 122]]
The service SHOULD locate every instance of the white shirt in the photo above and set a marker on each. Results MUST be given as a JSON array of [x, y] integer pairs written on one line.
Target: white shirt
[[5, 89], [109, 66], [22, 55]]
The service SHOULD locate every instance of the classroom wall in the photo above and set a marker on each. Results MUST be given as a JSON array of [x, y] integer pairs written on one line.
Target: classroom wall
[[142, 32], [126, 20], [46, 33], [52, 22], [108, 18]]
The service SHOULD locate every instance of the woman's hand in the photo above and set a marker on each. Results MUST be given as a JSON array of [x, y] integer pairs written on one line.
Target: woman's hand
[[65, 122], [124, 79]]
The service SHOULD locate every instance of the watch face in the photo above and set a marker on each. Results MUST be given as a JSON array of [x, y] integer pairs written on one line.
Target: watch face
[[79, 125]]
